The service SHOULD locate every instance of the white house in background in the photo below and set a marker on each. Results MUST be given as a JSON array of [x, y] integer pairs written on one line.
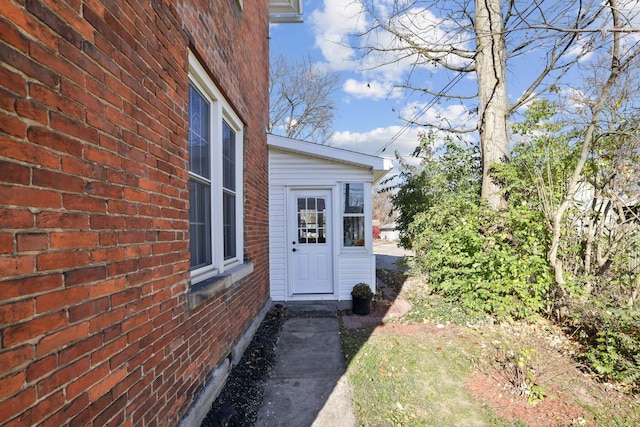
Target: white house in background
[[389, 231], [320, 219]]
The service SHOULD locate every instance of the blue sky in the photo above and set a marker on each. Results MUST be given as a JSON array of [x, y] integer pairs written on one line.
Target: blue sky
[[368, 106], [369, 103]]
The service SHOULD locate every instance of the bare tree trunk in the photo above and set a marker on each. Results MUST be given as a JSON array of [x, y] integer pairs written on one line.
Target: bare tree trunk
[[492, 95]]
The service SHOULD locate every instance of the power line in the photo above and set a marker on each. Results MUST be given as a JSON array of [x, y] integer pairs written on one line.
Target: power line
[[424, 109]]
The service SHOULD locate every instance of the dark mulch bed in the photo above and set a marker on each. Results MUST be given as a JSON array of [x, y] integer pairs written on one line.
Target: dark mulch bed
[[241, 397]]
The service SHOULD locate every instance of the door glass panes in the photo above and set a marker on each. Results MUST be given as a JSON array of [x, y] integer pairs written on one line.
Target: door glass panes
[[312, 220]]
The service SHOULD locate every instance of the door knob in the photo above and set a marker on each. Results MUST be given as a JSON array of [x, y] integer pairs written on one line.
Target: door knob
[[294, 249]]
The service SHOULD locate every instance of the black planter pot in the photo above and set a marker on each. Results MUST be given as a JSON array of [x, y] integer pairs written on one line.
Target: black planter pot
[[361, 305]]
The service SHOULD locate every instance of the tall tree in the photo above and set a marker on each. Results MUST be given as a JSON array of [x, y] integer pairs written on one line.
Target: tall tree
[[491, 39], [300, 99]]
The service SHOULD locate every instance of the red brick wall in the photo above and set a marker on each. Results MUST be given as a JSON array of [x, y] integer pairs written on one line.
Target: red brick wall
[[94, 226]]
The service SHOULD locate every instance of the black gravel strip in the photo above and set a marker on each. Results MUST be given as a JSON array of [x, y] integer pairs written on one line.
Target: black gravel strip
[[241, 397]]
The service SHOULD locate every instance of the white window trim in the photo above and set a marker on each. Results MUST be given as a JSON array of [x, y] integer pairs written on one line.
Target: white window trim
[[220, 110]]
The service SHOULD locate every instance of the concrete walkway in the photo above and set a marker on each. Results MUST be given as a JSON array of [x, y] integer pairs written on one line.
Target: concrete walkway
[[309, 386]]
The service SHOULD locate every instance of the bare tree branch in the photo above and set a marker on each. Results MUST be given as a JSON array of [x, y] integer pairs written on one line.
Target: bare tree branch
[[301, 106], [486, 37]]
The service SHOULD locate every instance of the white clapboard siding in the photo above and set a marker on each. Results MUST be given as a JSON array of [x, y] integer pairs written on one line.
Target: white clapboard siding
[[355, 269], [300, 165], [287, 169], [277, 241]]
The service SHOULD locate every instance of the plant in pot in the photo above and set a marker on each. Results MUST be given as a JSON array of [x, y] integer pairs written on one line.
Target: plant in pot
[[361, 296]]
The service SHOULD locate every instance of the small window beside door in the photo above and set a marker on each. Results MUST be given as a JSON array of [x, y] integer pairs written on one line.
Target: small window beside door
[[353, 214]]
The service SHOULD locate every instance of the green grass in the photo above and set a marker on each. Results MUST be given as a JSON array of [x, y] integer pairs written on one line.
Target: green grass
[[436, 309], [414, 375], [412, 380]]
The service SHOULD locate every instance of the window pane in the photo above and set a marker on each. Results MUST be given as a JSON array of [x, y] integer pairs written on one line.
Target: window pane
[[229, 224], [353, 198], [322, 223], [229, 186], [302, 220], [312, 220], [199, 135], [200, 224], [229, 157], [353, 231]]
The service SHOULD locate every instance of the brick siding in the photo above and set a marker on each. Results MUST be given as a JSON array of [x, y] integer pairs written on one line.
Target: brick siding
[[94, 231]]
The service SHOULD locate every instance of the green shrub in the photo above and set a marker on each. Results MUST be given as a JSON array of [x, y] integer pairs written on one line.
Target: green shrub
[[612, 338], [485, 261]]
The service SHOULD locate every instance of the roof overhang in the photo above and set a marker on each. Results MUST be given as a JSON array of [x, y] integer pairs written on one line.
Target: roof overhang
[[285, 11], [377, 165]]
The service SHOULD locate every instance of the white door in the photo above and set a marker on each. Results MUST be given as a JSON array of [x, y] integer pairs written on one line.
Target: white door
[[310, 253]]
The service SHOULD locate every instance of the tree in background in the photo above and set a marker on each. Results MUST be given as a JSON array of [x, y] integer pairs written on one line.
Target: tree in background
[[383, 211], [491, 39], [300, 99], [565, 241], [598, 237], [598, 244]]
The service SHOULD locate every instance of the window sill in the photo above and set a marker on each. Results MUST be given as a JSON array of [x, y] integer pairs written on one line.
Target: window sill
[[355, 250], [208, 288]]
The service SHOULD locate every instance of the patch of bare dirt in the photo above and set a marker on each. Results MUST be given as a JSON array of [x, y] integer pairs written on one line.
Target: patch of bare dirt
[[557, 410], [527, 372], [561, 390]]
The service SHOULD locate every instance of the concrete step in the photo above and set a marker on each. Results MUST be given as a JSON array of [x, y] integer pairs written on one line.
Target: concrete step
[[311, 309]]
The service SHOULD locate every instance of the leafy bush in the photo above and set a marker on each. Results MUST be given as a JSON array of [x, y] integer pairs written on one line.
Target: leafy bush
[[452, 168], [485, 261], [362, 290], [499, 263], [612, 339]]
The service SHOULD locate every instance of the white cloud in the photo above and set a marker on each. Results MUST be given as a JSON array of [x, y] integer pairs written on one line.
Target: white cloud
[[333, 26], [630, 12], [450, 116], [371, 89], [574, 99], [581, 48], [630, 15], [339, 29], [405, 140]]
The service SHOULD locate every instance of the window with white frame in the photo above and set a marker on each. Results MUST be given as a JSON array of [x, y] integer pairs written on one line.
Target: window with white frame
[[353, 214], [215, 178]]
